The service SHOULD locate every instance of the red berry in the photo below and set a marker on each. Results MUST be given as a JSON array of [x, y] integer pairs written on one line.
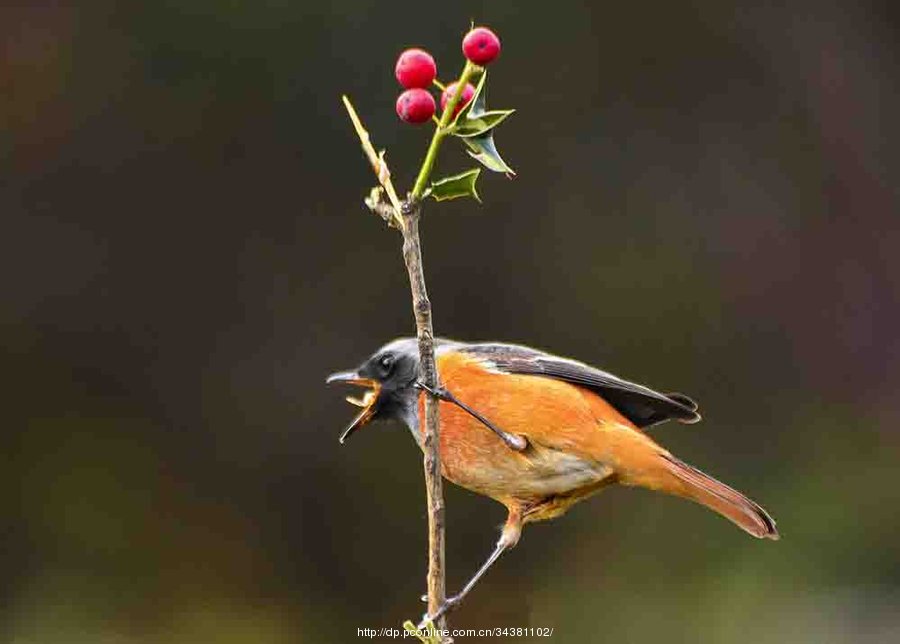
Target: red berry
[[415, 105], [467, 94], [415, 68], [481, 45]]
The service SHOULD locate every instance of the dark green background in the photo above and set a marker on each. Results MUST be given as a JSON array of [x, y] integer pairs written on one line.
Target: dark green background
[[707, 201]]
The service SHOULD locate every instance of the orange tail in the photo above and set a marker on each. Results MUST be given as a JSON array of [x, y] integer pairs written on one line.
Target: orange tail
[[691, 483]]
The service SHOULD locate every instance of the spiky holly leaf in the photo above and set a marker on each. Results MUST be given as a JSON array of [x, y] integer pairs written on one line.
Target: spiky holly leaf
[[459, 185], [474, 119], [478, 105], [474, 126], [482, 149], [484, 123]]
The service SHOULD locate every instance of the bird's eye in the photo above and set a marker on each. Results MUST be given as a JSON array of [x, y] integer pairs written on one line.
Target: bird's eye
[[386, 362]]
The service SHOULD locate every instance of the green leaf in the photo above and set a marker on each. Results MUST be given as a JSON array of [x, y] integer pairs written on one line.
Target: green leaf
[[475, 119], [474, 126], [478, 105], [459, 185], [485, 122], [482, 149], [428, 635]]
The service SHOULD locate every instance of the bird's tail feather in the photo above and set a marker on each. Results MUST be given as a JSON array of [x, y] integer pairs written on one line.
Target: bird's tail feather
[[691, 483]]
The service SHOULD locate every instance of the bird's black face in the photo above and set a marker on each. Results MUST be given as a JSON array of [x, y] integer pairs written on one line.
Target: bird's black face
[[390, 376]]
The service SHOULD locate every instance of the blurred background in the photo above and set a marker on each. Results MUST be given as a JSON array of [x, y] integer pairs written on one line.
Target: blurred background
[[706, 201]]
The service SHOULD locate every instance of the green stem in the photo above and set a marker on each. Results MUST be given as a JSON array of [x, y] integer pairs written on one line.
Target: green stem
[[439, 133]]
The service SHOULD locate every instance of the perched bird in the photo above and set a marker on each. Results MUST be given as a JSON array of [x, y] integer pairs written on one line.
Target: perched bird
[[539, 433]]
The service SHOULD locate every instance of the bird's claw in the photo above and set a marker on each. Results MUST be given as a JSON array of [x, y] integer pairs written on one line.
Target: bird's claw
[[514, 441], [438, 392], [450, 603]]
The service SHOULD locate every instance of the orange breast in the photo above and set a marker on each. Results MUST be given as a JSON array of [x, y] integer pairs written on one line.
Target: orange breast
[[566, 426]]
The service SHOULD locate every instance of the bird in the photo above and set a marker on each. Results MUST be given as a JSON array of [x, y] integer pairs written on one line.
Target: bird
[[538, 432]]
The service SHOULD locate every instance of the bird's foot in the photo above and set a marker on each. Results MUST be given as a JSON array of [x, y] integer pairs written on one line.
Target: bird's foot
[[439, 392], [450, 603], [513, 441]]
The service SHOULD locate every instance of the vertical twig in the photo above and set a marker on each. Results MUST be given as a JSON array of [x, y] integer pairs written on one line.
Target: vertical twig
[[431, 441], [406, 215], [412, 257]]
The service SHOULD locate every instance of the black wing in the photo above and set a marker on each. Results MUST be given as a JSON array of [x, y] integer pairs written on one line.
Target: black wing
[[641, 405]]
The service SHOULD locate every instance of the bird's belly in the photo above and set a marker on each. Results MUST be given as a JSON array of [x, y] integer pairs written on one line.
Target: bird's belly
[[542, 473], [480, 462]]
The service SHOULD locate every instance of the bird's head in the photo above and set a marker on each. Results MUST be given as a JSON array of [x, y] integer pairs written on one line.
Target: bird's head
[[389, 376]]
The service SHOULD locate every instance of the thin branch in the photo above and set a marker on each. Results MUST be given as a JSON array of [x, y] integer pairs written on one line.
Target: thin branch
[[431, 441], [412, 256], [379, 165]]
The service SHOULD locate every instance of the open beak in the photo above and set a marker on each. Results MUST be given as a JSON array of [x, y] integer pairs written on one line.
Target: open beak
[[367, 402]]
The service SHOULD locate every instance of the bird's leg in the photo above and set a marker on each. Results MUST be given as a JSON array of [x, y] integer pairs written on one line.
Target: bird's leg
[[513, 441], [452, 602], [512, 530]]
